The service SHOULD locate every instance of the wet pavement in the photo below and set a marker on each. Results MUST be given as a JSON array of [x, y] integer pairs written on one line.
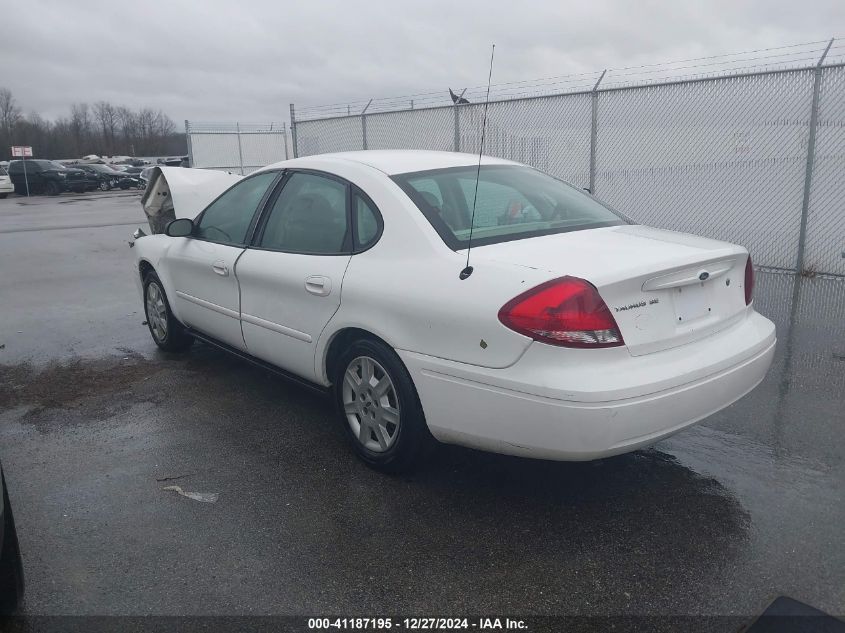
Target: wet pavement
[[94, 422]]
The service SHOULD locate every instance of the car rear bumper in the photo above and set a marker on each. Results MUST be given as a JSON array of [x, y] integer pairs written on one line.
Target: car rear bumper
[[590, 404]]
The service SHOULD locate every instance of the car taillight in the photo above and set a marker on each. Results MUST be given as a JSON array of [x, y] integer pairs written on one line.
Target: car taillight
[[567, 311], [749, 281]]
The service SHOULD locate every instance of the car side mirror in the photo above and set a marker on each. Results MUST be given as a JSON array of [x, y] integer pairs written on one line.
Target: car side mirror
[[180, 227]]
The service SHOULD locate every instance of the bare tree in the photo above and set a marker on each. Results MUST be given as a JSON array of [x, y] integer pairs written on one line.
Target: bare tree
[[80, 120], [104, 129], [10, 115]]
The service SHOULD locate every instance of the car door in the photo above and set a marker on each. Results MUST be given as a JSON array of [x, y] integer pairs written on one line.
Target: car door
[[28, 173], [291, 276], [201, 267]]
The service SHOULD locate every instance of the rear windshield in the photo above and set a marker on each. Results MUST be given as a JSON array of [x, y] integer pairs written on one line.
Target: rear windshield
[[513, 202]]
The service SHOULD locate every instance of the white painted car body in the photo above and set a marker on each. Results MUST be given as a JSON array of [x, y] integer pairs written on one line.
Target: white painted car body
[[480, 383], [6, 186]]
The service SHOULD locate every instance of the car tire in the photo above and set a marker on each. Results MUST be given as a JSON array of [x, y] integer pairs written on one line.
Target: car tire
[[104, 185], [384, 421], [167, 332], [11, 566], [51, 188]]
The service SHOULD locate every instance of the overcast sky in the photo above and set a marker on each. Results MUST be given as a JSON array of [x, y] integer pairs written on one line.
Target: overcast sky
[[211, 60]]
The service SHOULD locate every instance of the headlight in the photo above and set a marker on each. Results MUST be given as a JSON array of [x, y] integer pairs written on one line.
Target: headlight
[[61, 175]]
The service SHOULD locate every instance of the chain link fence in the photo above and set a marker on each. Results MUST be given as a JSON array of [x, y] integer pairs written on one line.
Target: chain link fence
[[825, 242], [236, 147], [752, 156]]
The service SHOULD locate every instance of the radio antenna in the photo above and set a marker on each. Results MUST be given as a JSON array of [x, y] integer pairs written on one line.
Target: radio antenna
[[466, 272]]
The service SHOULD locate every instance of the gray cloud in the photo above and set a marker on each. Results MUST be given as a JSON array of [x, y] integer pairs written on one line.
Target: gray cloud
[[224, 60]]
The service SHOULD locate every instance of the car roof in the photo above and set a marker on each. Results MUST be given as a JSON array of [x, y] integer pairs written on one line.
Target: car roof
[[395, 161]]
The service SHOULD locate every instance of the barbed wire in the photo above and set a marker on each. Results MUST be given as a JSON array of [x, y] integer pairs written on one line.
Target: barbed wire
[[228, 127], [786, 57]]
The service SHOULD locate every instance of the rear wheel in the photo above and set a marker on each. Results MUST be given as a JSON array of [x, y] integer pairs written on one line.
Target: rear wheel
[[11, 567], [167, 332], [379, 408]]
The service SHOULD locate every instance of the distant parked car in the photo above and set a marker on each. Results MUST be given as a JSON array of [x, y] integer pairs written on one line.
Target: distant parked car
[[46, 176], [11, 567], [145, 174], [174, 161], [6, 186], [107, 178]]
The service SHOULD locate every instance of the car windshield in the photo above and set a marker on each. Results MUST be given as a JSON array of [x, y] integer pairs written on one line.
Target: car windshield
[[513, 202]]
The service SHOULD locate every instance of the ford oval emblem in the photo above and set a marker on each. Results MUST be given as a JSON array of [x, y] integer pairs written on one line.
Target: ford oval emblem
[[703, 275]]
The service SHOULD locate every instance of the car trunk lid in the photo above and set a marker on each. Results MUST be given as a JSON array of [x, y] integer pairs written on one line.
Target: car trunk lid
[[663, 288]]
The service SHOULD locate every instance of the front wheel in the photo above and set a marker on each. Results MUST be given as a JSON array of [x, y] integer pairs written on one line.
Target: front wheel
[[379, 408], [52, 188], [104, 185], [167, 332]]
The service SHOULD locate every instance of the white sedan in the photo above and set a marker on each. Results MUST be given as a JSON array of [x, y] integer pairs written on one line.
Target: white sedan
[[576, 335], [6, 186]]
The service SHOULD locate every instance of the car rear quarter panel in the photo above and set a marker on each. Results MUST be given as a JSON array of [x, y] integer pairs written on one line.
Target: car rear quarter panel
[[421, 305]]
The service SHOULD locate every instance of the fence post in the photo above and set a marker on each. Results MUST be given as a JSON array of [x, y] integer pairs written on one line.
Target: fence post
[[457, 142], [240, 150], [811, 152], [595, 113], [285, 139], [188, 140], [364, 124], [293, 132]]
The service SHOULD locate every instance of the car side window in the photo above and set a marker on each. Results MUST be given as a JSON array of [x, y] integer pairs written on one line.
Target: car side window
[[309, 216], [367, 222], [18, 167], [227, 219]]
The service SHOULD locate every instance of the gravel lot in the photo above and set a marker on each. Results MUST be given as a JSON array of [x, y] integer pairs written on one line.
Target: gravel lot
[[95, 421]]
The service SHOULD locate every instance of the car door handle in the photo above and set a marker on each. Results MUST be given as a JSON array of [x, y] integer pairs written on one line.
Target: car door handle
[[318, 285], [220, 268]]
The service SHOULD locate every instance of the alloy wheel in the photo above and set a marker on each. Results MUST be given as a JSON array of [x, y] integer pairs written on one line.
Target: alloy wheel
[[370, 404], [156, 312]]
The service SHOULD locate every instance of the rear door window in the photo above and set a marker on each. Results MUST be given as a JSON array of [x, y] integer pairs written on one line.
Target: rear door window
[[309, 216]]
